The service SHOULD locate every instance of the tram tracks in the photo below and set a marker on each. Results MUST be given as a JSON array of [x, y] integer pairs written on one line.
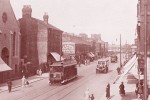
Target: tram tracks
[[47, 92]]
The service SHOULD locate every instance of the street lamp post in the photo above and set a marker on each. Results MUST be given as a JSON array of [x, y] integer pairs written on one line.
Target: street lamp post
[[145, 52]]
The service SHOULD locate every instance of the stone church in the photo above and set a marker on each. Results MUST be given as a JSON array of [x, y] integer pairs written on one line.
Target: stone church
[[9, 42]]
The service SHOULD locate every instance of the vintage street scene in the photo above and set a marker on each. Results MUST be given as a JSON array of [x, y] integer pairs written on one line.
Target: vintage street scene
[[74, 49]]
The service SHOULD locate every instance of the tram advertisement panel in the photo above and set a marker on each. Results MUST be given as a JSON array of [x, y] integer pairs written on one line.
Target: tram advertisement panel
[[68, 47]]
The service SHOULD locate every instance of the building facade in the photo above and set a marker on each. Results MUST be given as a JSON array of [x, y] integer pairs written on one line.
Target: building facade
[[9, 40], [100, 48], [143, 31], [80, 44], [38, 39]]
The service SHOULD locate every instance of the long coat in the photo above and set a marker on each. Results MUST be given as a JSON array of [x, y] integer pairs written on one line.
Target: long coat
[[122, 91], [108, 91]]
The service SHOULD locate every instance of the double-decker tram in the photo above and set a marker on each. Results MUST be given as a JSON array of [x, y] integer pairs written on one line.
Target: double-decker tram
[[62, 71]]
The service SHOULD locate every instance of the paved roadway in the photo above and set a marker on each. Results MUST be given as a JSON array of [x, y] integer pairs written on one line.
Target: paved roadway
[[74, 90]]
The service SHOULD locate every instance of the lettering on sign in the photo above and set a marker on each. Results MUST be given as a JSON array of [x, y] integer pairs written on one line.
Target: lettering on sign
[[68, 48]]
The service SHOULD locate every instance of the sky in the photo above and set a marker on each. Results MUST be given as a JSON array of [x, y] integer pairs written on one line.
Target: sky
[[110, 18]]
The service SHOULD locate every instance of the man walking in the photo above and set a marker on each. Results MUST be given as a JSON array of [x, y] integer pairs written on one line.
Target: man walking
[[9, 85]]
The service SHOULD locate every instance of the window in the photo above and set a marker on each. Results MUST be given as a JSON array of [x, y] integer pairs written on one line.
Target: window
[[14, 43]]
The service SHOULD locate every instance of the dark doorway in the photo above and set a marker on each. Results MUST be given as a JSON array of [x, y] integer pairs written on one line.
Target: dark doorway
[[5, 57]]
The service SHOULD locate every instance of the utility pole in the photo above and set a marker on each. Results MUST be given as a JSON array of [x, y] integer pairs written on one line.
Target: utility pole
[[126, 51], [145, 53], [120, 52]]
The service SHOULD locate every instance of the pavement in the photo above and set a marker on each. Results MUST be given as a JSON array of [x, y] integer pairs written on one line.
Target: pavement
[[129, 80], [17, 83], [32, 79]]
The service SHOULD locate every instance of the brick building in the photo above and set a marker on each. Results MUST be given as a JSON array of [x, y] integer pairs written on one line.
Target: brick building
[[100, 48], [38, 38], [81, 45], [143, 30], [9, 41]]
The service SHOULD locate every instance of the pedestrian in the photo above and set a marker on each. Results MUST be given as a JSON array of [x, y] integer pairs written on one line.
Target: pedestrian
[[85, 61], [37, 71], [121, 87], [108, 91], [27, 82], [136, 90], [9, 83], [79, 63], [91, 97], [140, 90], [87, 94], [118, 70], [23, 81], [40, 72]]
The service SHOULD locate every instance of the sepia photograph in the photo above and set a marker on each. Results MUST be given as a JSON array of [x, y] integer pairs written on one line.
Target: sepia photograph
[[74, 49]]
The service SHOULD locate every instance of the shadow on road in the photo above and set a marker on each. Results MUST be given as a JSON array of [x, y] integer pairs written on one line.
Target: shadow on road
[[129, 96]]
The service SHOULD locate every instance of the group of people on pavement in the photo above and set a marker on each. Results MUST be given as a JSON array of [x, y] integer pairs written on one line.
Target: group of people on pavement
[[139, 89], [121, 90], [25, 82], [39, 72], [88, 96]]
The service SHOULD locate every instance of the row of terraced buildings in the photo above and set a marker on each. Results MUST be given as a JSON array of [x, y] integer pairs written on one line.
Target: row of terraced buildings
[[25, 43]]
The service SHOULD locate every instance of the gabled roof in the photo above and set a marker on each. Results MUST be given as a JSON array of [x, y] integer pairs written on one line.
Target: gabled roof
[[11, 21], [47, 25]]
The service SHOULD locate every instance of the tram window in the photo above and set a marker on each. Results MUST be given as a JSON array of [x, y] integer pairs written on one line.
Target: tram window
[[57, 69], [51, 75]]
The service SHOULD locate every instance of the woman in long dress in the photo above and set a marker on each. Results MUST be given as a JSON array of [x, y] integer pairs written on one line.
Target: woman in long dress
[[87, 94], [23, 81], [108, 91]]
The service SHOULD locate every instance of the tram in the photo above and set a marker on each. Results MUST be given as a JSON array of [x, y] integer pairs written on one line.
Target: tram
[[62, 71]]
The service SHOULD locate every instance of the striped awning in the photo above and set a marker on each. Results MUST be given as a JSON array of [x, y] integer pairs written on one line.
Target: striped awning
[[56, 56], [90, 55], [128, 66], [4, 66]]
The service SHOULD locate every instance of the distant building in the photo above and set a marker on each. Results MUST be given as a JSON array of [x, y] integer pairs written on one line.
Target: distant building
[[100, 48], [96, 37], [38, 38], [9, 41], [83, 36]]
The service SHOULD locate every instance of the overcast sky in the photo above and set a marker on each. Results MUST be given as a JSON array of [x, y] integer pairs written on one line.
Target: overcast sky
[[110, 18]]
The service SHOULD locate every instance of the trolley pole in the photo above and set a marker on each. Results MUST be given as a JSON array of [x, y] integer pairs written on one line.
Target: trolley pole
[[60, 45], [145, 53]]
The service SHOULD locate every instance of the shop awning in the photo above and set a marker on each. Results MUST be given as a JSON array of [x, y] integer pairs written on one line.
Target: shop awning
[[4, 66], [56, 56], [128, 66], [92, 54]]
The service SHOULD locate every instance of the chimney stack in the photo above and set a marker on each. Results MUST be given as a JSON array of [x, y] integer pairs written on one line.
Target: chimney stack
[[26, 11], [45, 17]]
